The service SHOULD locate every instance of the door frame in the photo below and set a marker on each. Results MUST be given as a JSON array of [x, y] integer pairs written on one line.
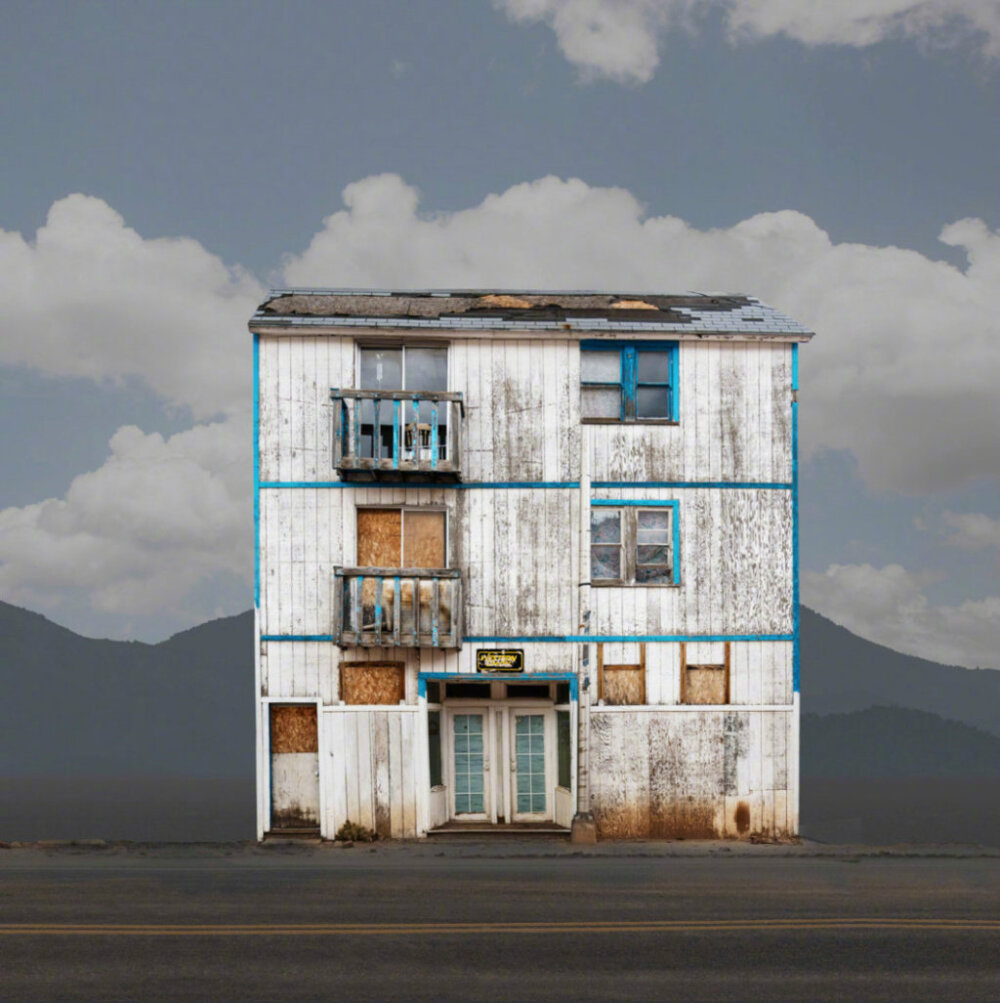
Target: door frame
[[571, 679], [265, 803], [499, 756]]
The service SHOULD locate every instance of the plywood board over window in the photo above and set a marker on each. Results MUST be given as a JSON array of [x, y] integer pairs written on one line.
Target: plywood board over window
[[619, 685], [372, 682], [293, 728], [379, 538], [705, 684]]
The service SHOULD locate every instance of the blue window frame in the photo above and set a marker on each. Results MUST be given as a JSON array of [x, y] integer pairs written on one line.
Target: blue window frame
[[628, 381], [634, 542]]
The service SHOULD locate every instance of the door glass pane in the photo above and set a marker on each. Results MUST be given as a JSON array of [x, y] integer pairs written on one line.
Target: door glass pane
[[653, 367], [529, 748], [469, 796], [653, 402], [601, 367], [601, 402]]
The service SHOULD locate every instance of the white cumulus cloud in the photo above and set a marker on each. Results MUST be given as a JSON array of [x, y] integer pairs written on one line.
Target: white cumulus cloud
[[889, 605], [904, 368], [973, 531], [143, 530], [90, 297], [621, 39]]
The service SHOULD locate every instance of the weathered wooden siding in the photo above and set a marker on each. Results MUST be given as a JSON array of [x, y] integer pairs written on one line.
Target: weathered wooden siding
[[735, 422], [372, 769], [735, 567], [692, 774], [516, 549], [521, 401]]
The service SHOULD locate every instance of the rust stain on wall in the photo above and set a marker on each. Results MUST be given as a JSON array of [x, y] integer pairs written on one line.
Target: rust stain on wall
[[743, 818]]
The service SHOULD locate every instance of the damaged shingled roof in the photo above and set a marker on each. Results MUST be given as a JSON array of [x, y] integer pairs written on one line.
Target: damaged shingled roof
[[694, 312]]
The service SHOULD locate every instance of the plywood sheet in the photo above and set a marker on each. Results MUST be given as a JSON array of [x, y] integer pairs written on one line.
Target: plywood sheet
[[705, 684], [379, 538], [624, 684], [423, 539], [372, 682], [293, 728]]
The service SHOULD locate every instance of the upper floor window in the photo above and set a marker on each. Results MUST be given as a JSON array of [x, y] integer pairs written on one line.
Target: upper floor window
[[633, 544], [628, 381], [424, 426], [404, 368]]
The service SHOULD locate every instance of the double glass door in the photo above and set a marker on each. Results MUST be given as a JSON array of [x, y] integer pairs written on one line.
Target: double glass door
[[501, 761]]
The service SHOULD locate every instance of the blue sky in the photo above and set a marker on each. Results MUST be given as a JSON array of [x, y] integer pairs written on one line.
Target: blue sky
[[165, 163]]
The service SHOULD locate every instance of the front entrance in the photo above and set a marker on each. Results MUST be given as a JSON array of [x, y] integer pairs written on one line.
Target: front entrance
[[502, 761]]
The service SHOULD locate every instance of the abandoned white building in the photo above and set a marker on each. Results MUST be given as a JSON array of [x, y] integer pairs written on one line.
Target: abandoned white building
[[523, 557]]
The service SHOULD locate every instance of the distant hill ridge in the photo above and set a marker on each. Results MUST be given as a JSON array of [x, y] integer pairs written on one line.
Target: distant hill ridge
[[75, 706]]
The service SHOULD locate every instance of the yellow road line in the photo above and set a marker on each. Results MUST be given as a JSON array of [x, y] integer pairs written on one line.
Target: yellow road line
[[413, 929]]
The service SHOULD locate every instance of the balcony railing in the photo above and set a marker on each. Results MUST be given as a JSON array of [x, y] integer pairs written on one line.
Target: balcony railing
[[386, 434], [398, 607]]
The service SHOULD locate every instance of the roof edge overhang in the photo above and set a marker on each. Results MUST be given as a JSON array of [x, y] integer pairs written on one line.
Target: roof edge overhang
[[567, 331]]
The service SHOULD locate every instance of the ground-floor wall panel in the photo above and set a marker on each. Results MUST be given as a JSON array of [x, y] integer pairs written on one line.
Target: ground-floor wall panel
[[692, 774]]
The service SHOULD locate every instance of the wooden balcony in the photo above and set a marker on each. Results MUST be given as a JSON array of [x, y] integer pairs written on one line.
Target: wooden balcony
[[397, 607], [397, 434]]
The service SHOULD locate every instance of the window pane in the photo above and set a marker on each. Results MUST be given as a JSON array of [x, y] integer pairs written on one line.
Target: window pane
[[427, 369], [381, 369], [653, 367], [601, 402], [652, 402], [654, 526], [605, 562], [605, 525], [653, 555], [601, 367], [653, 575]]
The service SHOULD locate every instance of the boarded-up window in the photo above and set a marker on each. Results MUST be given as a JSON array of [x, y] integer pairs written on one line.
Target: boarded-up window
[[621, 684], [372, 682], [293, 728], [401, 538], [704, 684], [380, 538]]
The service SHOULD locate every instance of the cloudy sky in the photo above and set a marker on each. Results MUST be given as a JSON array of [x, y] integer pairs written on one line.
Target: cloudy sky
[[165, 163]]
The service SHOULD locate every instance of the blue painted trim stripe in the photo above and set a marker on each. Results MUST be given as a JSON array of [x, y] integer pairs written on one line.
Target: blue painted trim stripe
[[513, 485], [296, 637], [583, 638], [507, 677], [796, 660], [756, 485], [634, 503], [568, 638], [256, 471]]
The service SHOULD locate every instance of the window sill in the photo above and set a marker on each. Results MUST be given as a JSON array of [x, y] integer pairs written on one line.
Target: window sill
[[637, 421], [635, 585]]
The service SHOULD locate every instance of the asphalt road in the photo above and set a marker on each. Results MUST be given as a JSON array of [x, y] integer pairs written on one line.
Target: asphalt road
[[508, 924]]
